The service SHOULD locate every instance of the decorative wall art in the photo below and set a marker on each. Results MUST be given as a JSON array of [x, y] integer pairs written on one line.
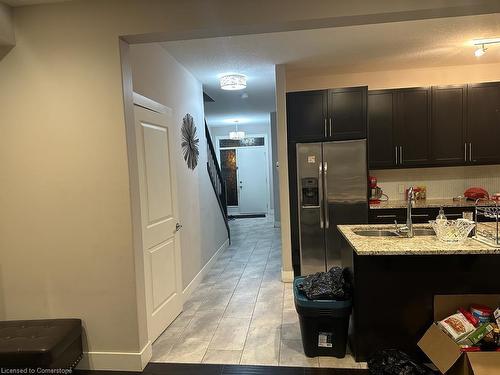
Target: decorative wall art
[[189, 142]]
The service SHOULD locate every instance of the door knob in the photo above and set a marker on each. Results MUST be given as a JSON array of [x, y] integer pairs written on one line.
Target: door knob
[[178, 227]]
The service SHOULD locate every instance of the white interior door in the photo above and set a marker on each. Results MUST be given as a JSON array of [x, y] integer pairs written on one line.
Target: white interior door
[[159, 212], [252, 180]]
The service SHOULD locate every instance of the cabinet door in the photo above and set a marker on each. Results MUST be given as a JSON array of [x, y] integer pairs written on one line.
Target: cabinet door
[[483, 125], [381, 147], [347, 113], [413, 126], [448, 125], [307, 115]]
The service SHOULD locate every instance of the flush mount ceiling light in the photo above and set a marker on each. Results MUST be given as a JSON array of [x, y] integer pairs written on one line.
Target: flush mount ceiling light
[[233, 82], [236, 135], [482, 42]]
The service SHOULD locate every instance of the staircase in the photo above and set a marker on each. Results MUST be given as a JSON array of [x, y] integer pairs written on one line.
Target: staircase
[[216, 178]]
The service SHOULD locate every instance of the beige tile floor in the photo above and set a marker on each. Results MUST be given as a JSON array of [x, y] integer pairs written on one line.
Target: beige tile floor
[[242, 313]]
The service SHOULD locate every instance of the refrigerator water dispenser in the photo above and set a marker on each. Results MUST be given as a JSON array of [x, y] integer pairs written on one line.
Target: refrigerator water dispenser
[[310, 192]]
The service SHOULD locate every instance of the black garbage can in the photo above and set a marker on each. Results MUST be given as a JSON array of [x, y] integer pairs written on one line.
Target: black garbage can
[[324, 324]]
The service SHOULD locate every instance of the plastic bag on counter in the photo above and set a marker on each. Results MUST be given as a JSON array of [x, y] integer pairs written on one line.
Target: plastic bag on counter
[[395, 362], [333, 285]]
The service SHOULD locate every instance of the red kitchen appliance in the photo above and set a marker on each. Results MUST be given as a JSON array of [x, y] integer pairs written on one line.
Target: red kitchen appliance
[[475, 193], [375, 192]]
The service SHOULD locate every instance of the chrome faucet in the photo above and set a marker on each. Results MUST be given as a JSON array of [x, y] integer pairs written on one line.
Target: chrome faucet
[[408, 228]]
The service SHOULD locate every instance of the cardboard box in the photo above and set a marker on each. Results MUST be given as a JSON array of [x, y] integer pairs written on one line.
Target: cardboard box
[[444, 352]]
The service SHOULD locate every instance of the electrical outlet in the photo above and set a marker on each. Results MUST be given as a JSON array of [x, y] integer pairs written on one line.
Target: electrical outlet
[[401, 189]]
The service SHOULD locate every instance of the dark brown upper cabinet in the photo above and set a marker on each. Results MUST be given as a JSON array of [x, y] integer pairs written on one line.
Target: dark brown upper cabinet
[[399, 128], [347, 113], [307, 113], [327, 115], [448, 123], [381, 143], [412, 126], [483, 123]]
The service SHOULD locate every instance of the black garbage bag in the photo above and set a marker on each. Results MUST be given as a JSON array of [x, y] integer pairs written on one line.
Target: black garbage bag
[[395, 362], [334, 285]]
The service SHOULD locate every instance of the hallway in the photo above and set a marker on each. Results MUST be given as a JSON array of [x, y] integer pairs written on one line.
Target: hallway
[[242, 313]]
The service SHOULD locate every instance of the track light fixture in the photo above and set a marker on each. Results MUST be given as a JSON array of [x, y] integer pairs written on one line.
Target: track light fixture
[[480, 51], [482, 43]]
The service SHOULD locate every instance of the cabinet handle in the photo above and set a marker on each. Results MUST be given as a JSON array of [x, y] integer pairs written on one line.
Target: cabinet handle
[[470, 151], [385, 216], [401, 155], [325, 128], [396, 154], [465, 152], [325, 192], [330, 126], [419, 215], [320, 178]]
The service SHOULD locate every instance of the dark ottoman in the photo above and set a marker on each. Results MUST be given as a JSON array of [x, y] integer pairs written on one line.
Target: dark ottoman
[[50, 343]]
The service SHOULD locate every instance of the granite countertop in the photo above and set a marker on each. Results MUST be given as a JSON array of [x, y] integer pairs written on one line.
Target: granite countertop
[[426, 203], [418, 245]]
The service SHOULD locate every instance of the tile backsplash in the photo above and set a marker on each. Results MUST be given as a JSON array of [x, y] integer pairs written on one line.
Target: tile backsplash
[[446, 182]]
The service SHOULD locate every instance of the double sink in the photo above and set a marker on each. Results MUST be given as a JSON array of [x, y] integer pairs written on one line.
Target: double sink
[[393, 233]]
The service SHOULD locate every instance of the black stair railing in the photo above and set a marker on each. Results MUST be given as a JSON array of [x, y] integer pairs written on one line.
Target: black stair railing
[[218, 182]]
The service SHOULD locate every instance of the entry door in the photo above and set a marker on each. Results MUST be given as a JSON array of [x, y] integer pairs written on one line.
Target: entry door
[[252, 180], [159, 212]]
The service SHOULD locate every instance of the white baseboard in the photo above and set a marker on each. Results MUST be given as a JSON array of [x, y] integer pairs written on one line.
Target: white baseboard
[[286, 276], [118, 361], [199, 277]]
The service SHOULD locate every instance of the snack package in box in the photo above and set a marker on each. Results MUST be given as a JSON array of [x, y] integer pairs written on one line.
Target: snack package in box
[[456, 326], [477, 335], [481, 312], [496, 314]]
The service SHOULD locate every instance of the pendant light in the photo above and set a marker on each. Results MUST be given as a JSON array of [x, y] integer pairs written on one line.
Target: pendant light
[[236, 135]]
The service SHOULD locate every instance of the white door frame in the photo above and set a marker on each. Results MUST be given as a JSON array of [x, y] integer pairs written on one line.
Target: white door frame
[[235, 209]]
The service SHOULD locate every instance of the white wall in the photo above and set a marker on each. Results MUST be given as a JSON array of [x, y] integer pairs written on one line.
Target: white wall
[[388, 79], [251, 129], [158, 76]]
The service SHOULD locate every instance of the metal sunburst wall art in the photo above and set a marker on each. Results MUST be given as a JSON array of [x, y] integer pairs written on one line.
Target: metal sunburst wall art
[[189, 142]]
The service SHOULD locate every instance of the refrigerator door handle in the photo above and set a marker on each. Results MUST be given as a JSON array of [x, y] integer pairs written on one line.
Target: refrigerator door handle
[[320, 186], [396, 147], [330, 126], [325, 193], [325, 129]]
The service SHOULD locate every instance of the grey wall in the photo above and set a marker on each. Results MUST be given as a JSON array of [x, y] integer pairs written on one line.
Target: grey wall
[[158, 76]]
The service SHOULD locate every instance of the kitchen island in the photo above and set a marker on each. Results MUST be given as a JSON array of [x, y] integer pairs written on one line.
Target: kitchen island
[[396, 278]]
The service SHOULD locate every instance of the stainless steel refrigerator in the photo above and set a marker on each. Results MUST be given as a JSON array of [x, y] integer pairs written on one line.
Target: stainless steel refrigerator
[[332, 190]]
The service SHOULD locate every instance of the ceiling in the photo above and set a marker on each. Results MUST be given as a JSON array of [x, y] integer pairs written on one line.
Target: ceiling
[[376, 47], [207, 59]]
